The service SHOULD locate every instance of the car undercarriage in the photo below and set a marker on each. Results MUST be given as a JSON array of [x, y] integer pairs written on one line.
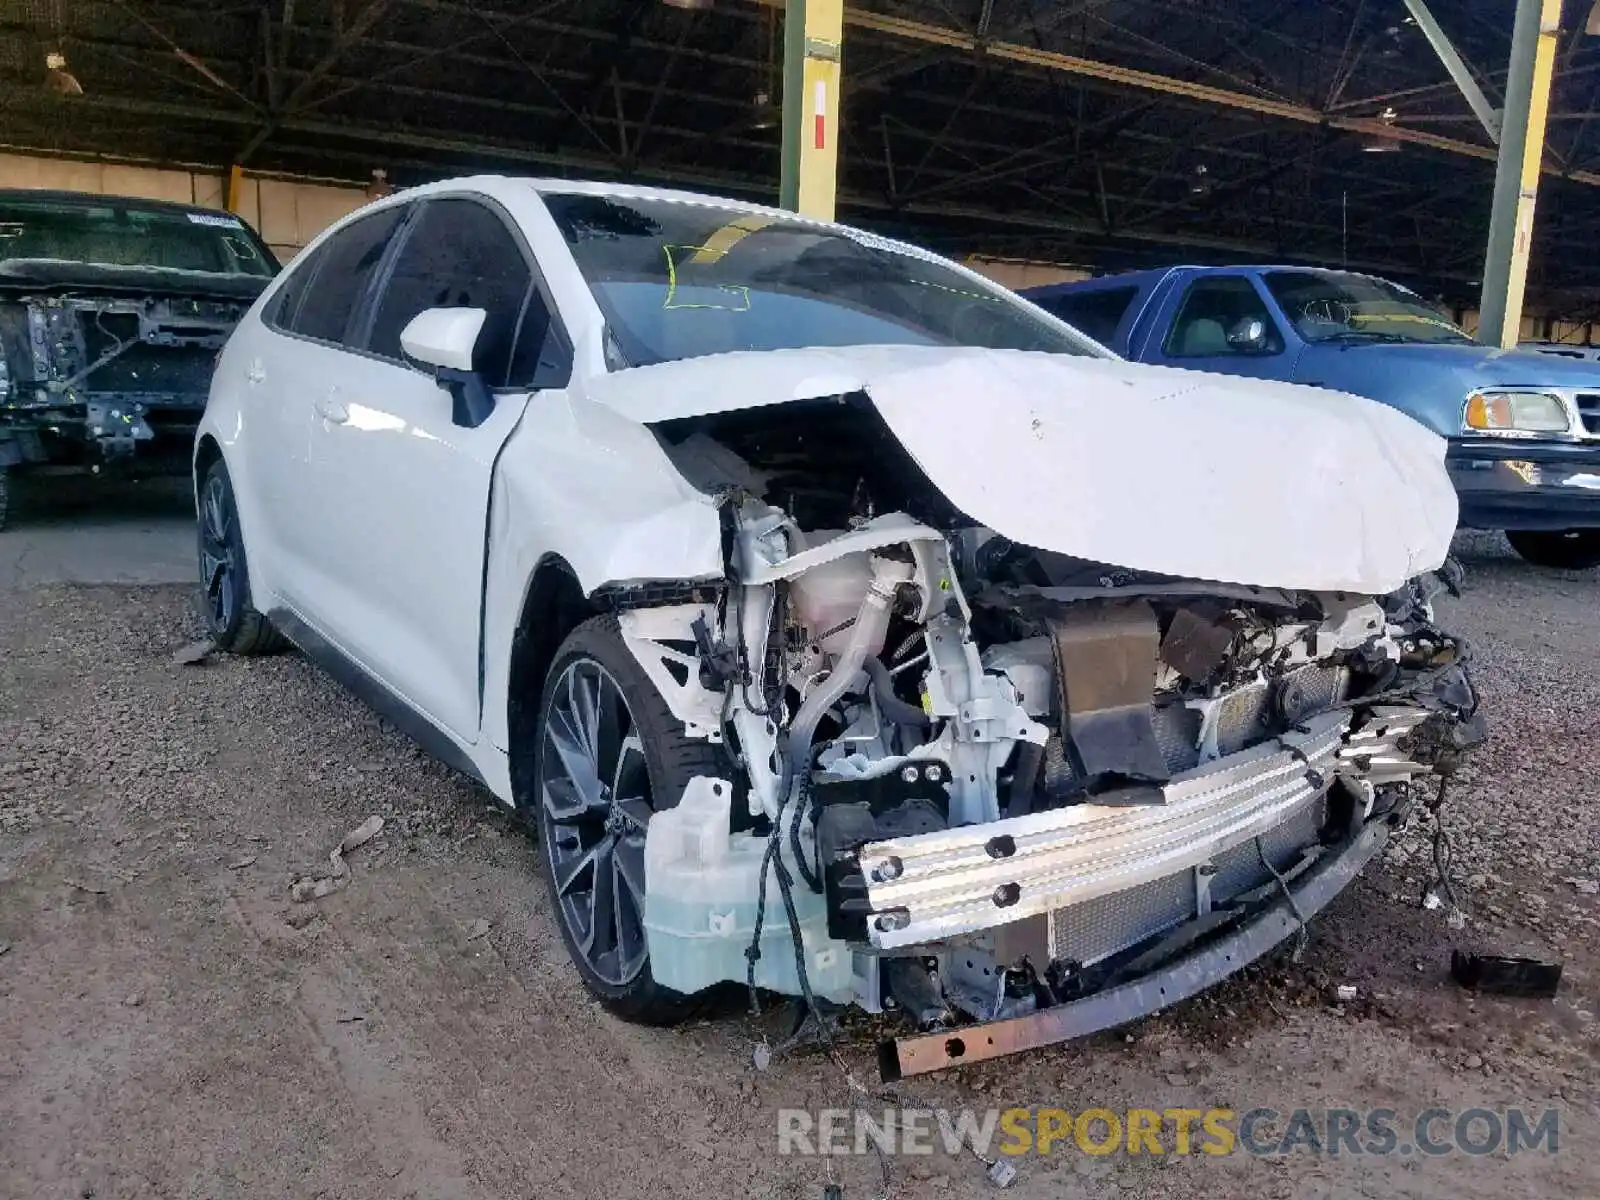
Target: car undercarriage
[[1013, 795]]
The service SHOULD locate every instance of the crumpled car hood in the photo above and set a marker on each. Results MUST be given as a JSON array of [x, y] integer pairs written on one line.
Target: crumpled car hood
[[1149, 468]]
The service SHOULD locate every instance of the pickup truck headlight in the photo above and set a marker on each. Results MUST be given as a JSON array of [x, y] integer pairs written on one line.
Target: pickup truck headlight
[[1516, 414]]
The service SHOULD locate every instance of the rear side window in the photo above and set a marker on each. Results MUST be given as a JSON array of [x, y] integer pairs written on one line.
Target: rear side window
[[459, 254], [1096, 313], [337, 277]]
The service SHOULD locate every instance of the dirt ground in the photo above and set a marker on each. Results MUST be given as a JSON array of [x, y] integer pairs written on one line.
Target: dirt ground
[[173, 1025]]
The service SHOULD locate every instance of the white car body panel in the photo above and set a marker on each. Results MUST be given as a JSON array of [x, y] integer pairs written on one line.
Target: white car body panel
[[1073, 454]]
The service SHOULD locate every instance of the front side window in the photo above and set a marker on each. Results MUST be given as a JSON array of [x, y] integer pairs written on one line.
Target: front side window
[[112, 232], [1222, 315], [678, 280], [457, 254], [339, 270], [1334, 306]]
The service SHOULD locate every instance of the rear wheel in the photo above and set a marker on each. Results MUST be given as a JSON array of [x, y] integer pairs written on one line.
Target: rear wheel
[[1571, 549], [610, 755], [235, 626]]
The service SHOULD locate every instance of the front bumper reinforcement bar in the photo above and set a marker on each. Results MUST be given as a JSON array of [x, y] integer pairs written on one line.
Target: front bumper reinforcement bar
[[1189, 975]]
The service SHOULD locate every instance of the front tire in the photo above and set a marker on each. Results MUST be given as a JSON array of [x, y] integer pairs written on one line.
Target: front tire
[[234, 625], [1568, 550], [609, 756]]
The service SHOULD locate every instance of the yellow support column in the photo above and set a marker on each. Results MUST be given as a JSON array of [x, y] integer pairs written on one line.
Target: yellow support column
[[235, 188], [1516, 181], [812, 43]]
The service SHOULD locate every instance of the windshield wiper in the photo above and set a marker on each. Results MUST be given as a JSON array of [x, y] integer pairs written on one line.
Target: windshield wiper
[[1363, 335]]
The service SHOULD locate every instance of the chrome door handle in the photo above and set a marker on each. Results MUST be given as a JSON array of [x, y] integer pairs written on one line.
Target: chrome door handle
[[331, 410]]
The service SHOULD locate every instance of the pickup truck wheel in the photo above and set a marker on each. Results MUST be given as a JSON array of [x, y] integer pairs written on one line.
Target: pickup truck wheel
[[609, 756], [235, 626], [1570, 550]]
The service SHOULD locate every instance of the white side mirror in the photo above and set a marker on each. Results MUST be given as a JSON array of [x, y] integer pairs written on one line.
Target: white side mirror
[[443, 337]]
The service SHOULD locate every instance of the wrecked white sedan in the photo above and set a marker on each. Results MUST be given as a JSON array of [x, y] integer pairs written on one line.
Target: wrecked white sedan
[[848, 627]]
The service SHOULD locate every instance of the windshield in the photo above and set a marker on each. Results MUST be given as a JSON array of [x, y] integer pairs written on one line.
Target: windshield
[[116, 233], [1325, 307], [680, 280]]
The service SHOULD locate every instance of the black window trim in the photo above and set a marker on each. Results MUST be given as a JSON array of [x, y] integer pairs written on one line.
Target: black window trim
[[1256, 289], [273, 315], [368, 310]]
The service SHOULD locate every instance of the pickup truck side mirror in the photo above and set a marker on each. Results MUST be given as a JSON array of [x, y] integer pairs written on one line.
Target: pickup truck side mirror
[[444, 339], [1248, 334]]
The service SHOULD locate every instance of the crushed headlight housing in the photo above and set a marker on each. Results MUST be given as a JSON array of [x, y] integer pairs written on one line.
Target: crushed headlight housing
[[1516, 414]]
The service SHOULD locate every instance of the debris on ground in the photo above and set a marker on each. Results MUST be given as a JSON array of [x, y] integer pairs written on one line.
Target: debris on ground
[[1505, 975], [194, 653], [1345, 993], [134, 1000], [239, 864], [1585, 887], [478, 929], [84, 887], [308, 887]]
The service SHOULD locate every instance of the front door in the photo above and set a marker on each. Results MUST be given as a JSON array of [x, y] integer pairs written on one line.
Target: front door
[[1222, 324], [402, 492]]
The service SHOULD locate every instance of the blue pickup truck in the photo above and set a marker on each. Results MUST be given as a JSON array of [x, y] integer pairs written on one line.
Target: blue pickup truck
[[1524, 428]]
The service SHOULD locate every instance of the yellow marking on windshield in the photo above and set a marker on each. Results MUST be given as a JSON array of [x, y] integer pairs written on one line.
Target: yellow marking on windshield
[[742, 293], [729, 236]]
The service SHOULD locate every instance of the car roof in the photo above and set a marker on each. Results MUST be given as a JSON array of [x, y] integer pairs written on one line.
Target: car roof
[[100, 199], [514, 187], [1154, 275]]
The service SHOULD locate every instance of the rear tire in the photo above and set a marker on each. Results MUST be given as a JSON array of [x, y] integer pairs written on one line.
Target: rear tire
[[234, 625], [1568, 550], [609, 755]]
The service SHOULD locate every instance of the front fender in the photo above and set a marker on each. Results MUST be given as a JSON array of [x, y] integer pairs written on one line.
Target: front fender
[[596, 490]]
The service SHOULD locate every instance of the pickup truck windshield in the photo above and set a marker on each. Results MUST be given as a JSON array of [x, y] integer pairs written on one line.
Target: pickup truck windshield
[[1328, 307], [117, 233], [678, 280]]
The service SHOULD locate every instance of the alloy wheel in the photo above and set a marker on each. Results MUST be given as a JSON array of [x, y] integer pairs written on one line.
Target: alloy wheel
[[595, 808], [217, 568]]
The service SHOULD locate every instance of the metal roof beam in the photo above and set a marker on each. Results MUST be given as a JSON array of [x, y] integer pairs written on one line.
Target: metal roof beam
[[1457, 68], [1128, 77]]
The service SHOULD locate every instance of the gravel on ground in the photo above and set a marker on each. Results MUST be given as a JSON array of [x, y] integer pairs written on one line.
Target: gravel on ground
[[173, 1023]]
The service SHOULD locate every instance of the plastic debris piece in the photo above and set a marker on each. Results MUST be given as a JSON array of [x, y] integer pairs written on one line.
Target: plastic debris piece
[[307, 888], [762, 1057], [478, 929], [194, 653], [1345, 993], [239, 864], [1001, 1173], [1505, 975]]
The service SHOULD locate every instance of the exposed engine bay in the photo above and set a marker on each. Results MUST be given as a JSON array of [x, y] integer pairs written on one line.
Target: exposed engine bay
[[992, 786]]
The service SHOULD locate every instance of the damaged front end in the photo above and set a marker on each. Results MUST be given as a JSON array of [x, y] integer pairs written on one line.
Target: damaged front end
[[112, 312], [1012, 794], [89, 380]]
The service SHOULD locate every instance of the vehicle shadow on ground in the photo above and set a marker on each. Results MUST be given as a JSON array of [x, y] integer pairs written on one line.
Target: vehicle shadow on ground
[[48, 499]]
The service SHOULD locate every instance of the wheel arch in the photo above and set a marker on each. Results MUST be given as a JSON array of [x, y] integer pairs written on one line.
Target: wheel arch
[[207, 450], [553, 605]]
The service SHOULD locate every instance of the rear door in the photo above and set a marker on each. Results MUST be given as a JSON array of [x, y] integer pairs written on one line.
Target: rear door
[[1100, 313], [1220, 323], [288, 367], [401, 492]]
